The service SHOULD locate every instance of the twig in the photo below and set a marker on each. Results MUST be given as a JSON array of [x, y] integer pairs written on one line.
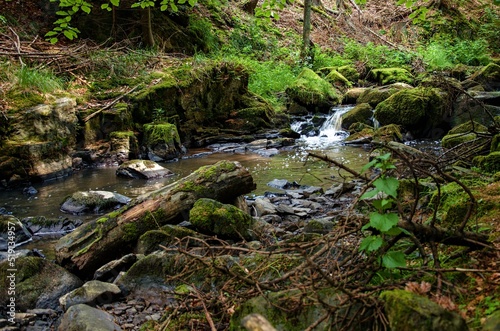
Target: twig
[[86, 119], [207, 314]]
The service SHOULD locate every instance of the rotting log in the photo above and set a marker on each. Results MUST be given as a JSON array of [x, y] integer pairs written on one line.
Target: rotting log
[[115, 234]]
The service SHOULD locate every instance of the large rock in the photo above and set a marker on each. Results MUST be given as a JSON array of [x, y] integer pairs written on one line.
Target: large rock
[[91, 293], [466, 132], [85, 318], [384, 76], [39, 283], [40, 225], [487, 77], [39, 141], [162, 141], [407, 311], [361, 113], [223, 220], [93, 202], [419, 110], [12, 233], [143, 169], [313, 92], [115, 234], [376, 95]]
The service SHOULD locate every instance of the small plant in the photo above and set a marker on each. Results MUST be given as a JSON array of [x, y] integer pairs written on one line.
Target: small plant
[[40, 80], [383, 223]]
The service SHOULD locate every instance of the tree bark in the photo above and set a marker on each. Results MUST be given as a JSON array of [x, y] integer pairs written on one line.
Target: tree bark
[[306, 29], [115, 234], [250, 6], [147, 27]]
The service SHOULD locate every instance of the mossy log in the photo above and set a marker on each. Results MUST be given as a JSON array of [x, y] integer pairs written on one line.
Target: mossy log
[[115, 234]]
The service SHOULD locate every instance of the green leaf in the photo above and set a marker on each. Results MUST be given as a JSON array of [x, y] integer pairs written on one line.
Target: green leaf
[[135, 5], [394, 231], [383, 222], [62, 13], [371, 243], [393, 260], [192, 3], [174, 7], [181, 2], [105, 6], [86, 9], [115, 3], [383, 204], [53, 40], [388, 185], [69, 34], [164, 7], [50, 34], [368, 165], [370, 194]]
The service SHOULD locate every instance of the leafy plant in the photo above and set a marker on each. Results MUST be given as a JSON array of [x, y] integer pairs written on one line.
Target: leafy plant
[[383, 223], [40, 80]]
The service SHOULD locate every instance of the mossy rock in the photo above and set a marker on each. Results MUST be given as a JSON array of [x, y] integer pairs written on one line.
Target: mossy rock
[[463, 133], [490, 162], [162, 140], [124, 142], [376, 95], [351, 95], [166, 236], [407, 311], [39, 283], [303, 311], [361, 113], [364, 136], [488, 77], [358, 127], [419, 110], [471, 126], [94, 202], [495, 143], [386, 76], [337, 79], [388, 133], [224, 220], [349, 72], [313, 92], [452, 203]]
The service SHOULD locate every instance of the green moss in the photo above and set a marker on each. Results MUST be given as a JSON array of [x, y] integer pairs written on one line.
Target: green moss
[[409, 311], [452, 204], [161, 133], [386, 76], [227, 221], [388, 133], [311, 89], [121, 134], [495, 143], [453, 140], [361, 113], [470, 126], [490, 162], [337, 79], [374, 96], [418, 110], [365, 134], [349, 72]]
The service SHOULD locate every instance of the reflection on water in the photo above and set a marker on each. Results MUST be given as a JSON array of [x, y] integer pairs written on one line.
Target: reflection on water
[[291, 165]]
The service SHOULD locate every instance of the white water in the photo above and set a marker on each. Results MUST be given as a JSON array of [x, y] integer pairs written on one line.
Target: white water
[[330, 132]]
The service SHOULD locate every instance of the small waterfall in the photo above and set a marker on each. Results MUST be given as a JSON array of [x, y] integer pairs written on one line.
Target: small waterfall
[[328, 133]]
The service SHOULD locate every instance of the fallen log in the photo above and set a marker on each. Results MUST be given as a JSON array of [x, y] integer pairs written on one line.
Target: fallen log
[[115, 234]]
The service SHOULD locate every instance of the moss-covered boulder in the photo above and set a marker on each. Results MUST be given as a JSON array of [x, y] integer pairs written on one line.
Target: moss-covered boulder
[[38, 141], [93, 202], [85, 318], [351, 95], [488, 77], [495, 143], [490, 162], [302, 311], [466, 132], [162, 141], [338, 80], [349, 72], [91, 293], [225, 221], [124, 144], [313, 92], [419, 110], [388, 133], [451, 202], [364, 136], [166, 236], [376, 95], [492, 322], [38, 283], [407, 311], [361, 113], [385, 76]]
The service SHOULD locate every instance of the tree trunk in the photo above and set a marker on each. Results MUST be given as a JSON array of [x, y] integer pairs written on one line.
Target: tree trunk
[[306, 29], [115, 234], [147, 27], [249, 6]]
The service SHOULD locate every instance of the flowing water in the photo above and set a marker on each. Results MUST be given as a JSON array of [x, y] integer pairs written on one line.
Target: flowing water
[[291, 164]]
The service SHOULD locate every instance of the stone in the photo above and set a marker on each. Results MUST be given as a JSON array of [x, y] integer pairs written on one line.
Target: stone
[[384, 76], [112, 269], [162, 141], [410, 311], [323, 225], [142, 169], [264, 207], [40, 225], [223, 220], [81, 317], [39, 283], [11, 227], [376, 95], [361, 113], [92, 292], [94, 202], [492, 322]]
